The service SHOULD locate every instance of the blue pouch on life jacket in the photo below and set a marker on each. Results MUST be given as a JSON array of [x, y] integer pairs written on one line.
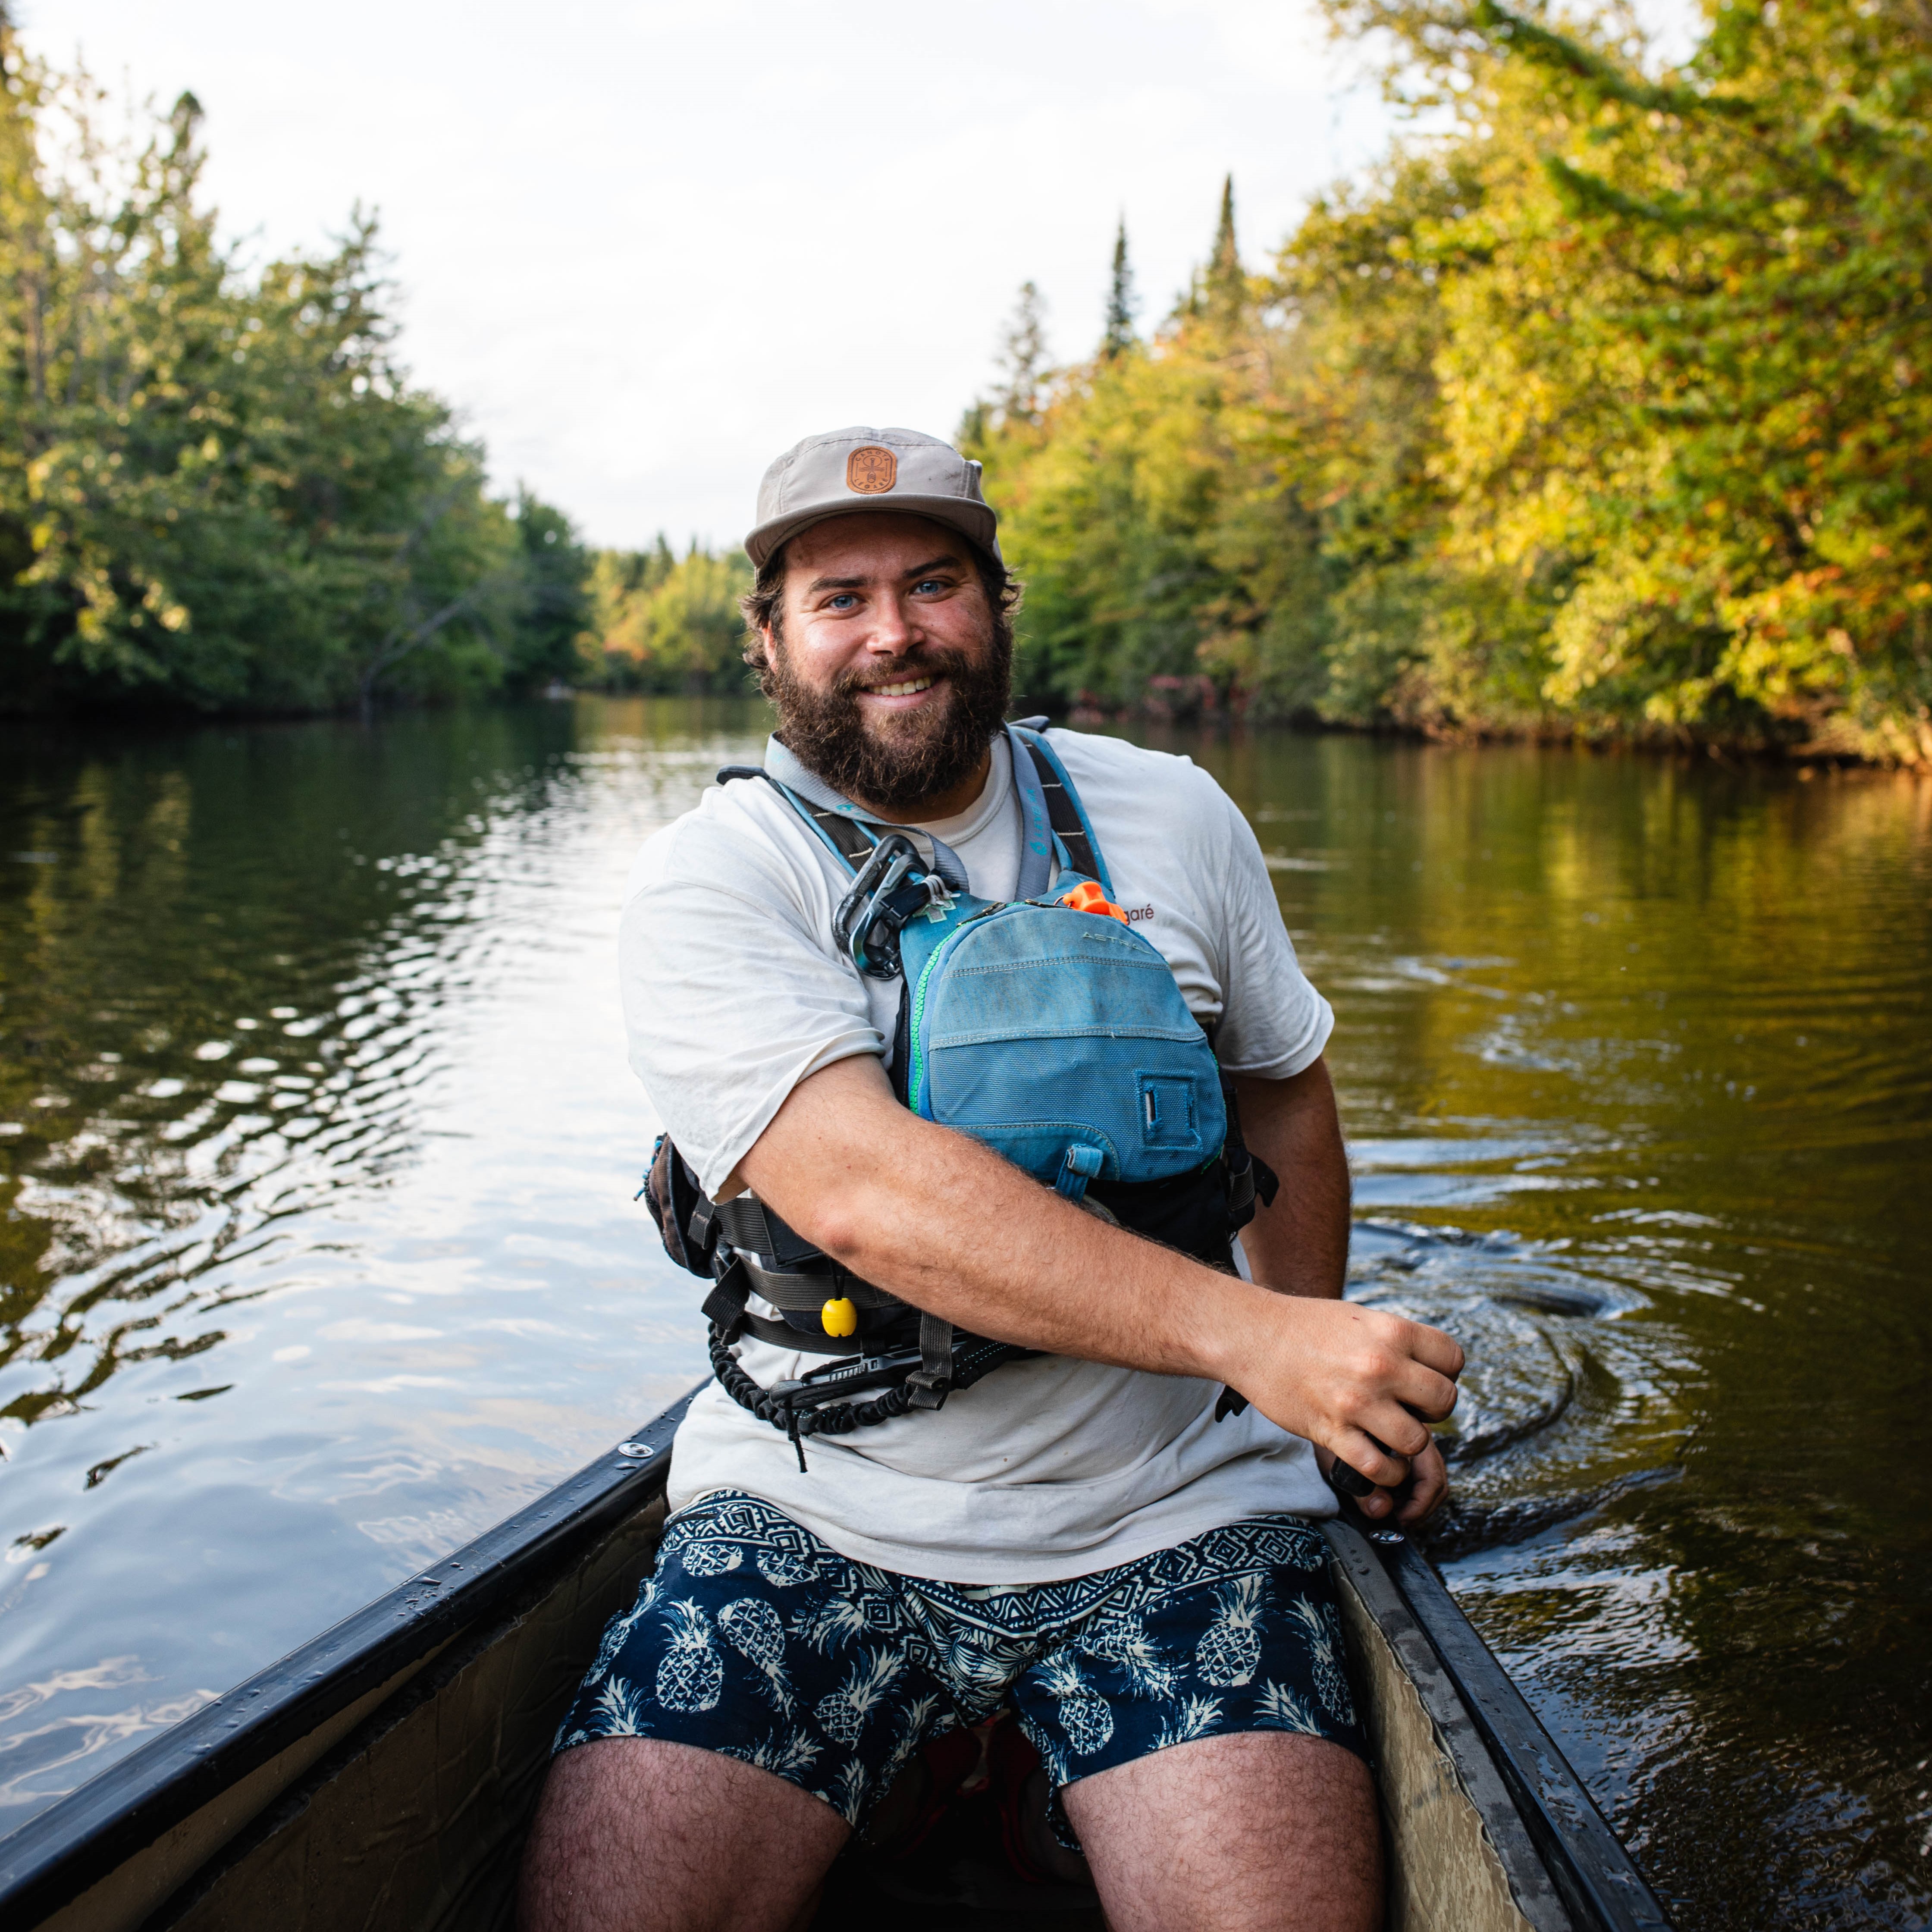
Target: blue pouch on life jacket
[[1059, 1039]]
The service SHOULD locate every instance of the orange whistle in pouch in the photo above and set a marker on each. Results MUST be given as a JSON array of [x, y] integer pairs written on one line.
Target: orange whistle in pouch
[[1087, 897]]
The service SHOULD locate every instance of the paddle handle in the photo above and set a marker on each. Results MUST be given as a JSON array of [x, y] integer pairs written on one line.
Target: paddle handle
[[1349, 1480]]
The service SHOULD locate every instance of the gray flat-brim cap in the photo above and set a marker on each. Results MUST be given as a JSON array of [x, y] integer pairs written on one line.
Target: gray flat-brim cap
[[846, 471]]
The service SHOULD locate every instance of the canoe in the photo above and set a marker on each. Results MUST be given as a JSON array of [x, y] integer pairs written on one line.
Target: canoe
[[383, 1775]]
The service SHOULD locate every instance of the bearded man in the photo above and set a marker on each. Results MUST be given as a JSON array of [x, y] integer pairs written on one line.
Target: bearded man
[[1089, 1539]]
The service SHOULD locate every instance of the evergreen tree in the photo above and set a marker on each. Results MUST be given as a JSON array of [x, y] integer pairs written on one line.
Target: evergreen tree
[[1022, 358], [1120, 304], [1227, 285]]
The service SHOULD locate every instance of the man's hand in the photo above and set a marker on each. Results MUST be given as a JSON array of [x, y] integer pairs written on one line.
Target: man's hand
[[947, 1226], [1340, 1374]]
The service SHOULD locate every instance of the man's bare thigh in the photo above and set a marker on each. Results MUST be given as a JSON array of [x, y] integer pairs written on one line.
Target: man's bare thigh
[[1254, 1832], [637, 1835]]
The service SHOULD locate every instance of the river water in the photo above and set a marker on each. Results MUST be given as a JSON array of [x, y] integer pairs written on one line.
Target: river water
[[318, 1253]]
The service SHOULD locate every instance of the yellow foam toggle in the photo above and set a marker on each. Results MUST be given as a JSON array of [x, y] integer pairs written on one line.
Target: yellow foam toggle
[[840, 1317]]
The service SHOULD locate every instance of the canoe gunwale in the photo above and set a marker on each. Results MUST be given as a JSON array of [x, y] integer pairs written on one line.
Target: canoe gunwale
[[1593, 1874], [62, 1852], [1519, 1867], [472, 1891]]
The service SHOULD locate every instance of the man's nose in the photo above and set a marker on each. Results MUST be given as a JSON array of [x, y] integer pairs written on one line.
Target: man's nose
[[895, 626]]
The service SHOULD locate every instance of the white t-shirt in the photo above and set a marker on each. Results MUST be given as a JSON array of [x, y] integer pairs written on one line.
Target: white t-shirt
[[734, 991]]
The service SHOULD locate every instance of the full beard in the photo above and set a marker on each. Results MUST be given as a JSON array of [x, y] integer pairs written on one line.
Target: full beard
[[900, 759]]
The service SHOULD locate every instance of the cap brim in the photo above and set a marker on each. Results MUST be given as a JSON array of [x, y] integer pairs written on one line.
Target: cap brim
[[976, 520]]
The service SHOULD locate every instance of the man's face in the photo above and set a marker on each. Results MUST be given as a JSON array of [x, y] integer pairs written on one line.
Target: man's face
[[886, 668]]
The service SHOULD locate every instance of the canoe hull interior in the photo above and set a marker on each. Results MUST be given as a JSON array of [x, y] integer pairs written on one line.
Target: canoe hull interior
[[405, 1806]]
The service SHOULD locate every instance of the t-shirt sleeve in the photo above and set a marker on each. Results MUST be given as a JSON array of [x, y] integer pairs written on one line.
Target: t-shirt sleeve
[[1274, 1023], [730, 999]]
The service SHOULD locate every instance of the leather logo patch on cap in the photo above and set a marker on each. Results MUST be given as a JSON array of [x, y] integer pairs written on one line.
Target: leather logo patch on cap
[[871, 471]]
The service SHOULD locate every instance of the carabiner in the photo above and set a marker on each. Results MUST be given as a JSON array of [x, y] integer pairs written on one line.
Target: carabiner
[[883, 853]]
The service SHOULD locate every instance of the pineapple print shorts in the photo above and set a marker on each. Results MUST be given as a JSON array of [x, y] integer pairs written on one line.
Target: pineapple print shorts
[[755, 1639]]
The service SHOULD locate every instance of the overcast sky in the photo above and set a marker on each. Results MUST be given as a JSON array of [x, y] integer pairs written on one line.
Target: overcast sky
[[643, 247]]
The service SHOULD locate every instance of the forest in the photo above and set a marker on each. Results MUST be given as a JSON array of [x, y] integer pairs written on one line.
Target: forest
[[218, 491], [1598, 407]]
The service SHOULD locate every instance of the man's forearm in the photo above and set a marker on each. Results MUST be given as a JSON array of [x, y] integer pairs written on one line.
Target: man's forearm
[[945, 1224]]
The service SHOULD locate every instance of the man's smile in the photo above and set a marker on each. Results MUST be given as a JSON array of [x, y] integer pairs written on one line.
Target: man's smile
[[900, 691]]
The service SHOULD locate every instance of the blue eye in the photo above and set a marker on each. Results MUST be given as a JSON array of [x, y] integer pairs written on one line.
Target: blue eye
[[929, 583], [842, 600]]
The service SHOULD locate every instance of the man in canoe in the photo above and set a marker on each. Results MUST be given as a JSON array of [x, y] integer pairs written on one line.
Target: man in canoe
[[1005, 1416]]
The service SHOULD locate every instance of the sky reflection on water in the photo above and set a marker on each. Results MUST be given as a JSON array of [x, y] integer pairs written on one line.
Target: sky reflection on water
[[320, 1256]]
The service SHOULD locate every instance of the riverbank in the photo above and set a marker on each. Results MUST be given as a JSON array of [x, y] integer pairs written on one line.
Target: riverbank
[[1830, 750], [1533, 427]]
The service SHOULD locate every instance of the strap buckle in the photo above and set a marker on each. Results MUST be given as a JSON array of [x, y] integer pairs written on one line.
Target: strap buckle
[[847, 1376]]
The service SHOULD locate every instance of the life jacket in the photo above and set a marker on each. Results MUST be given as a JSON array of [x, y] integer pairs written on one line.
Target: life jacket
[[1046, 1027]]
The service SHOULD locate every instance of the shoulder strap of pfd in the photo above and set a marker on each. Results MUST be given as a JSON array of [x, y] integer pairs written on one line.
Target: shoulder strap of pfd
[[848, 839], [1064, 813]]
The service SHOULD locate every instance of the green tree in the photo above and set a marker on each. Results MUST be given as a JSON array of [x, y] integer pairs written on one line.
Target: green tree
[[1143, 502], [219, 489], [558, 606], [1686, 329], [662, 622], [1119, 337], [1603, 407]]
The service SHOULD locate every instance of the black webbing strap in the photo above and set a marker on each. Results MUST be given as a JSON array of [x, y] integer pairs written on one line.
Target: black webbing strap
[[800, 1294], [749, 1226], [725, 1308], [1063, 815], [843, 830], [783, 1335], [743, 1220], [847, 836], [931, 1381], [697, 1229], [768, 1251]]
